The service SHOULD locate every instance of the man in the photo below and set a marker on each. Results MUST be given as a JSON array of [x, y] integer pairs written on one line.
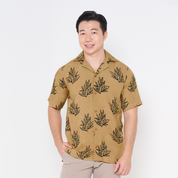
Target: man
[[98, 88]]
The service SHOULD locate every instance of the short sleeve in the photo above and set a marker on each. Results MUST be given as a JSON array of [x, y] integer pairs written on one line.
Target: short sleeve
[[59, 91], [130, 97]]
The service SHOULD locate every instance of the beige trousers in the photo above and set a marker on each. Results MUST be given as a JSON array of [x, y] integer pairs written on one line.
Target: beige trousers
[[77, 168]]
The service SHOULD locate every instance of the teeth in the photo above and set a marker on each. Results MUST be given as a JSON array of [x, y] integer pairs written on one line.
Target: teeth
[[89, 45]]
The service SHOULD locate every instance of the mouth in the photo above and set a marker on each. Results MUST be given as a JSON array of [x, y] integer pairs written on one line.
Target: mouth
[[89, 46]]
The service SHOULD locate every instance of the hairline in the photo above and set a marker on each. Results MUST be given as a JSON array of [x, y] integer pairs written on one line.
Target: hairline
[[92, 20]]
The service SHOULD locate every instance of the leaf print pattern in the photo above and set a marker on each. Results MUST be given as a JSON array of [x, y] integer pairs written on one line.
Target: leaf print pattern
[[74, 109], [68, 95], [86, 89], [62, 67], [75, 139], [94, 104], [62, 83], [86, 153], [67, 125], [86, 123], [101, 119], [102, 150], [121, 126], [68, 151], [114, 106], [53, 91], [58, 107], [73, 76], [117, 136], [118, 75], [110, 60], [124, 103], [133, 85], [99, 68], [100, 86], [80, 59]]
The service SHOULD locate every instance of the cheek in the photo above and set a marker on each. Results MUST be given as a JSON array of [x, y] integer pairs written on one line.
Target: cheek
[[99, 41], [81, 40]]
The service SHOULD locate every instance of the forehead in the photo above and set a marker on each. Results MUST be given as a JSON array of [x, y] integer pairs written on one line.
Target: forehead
[[88, 25]]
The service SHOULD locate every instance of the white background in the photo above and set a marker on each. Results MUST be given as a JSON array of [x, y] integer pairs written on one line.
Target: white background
[[39, 36]]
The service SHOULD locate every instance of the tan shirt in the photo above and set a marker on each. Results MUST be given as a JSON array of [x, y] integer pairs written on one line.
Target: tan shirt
[[95, 101]]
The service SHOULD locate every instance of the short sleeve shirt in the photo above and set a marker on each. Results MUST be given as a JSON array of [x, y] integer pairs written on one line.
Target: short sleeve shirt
[[95, 102]]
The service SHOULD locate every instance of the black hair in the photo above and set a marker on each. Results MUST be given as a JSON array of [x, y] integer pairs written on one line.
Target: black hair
[[92, 15]]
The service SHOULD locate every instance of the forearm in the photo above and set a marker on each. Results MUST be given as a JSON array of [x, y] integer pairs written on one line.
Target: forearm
[[130, 129], [55, 122]]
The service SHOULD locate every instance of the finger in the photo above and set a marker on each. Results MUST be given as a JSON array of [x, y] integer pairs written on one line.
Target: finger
[[121, 169], [68, 145], [116, 167], [126, 172]]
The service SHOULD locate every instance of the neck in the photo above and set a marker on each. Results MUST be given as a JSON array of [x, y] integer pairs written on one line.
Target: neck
[[96, 58]]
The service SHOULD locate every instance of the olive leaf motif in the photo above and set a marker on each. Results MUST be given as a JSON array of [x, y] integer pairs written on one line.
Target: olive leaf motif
[[116, 161], [110, 60], [118, 75], [101, 119], [86, 89], [58, 107], [80, 59], [114, 106], [100, 86], [53, 91], [117, 136], [102, 150], [68, 95], [133, 85], [86, 153], [124, 103], [73, 76], [68, 151], [62, 83], [121, 126], [74, 109], [86, 123], [62, 68], [99, 68], [67, 125], [75, 139]]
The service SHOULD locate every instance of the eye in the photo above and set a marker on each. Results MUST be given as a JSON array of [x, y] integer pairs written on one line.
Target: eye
[[82, 33], [93, 32]]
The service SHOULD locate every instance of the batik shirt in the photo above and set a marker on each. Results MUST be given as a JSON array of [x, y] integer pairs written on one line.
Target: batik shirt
[[95, 102]]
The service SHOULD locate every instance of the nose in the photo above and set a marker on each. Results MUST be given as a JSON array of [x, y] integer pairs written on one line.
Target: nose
[[88, 37]]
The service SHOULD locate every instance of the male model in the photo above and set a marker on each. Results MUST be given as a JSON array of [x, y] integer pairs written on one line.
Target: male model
[[98, 88]]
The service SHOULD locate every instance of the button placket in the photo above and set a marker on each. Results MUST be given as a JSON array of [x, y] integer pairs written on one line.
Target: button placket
[[94, 112]]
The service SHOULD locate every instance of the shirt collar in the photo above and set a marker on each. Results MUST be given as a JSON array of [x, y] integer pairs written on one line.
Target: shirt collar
[[105, 64]]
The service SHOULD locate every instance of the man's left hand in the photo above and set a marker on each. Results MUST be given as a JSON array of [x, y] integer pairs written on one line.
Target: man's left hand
[[124, 165]]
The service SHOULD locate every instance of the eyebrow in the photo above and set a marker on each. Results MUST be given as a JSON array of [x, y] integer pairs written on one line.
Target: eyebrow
[[94, 29], [90, 29]]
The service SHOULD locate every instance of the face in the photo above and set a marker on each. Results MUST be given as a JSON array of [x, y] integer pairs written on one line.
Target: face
[[91, 37]]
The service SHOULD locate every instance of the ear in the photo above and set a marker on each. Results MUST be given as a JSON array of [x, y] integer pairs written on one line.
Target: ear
[[105, 35]]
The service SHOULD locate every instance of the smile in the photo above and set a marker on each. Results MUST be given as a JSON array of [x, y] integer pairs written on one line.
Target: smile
[[89, 46]]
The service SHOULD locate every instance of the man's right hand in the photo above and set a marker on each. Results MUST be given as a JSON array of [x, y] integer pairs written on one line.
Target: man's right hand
[[61, 147]]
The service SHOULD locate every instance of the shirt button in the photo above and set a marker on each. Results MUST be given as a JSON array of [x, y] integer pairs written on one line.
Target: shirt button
[[95, 93], [95, 110], [95, 128], [95, 75], [96, 147]]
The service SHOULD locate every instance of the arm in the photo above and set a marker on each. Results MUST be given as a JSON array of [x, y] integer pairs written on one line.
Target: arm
[[54, 117], [130, 128]]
